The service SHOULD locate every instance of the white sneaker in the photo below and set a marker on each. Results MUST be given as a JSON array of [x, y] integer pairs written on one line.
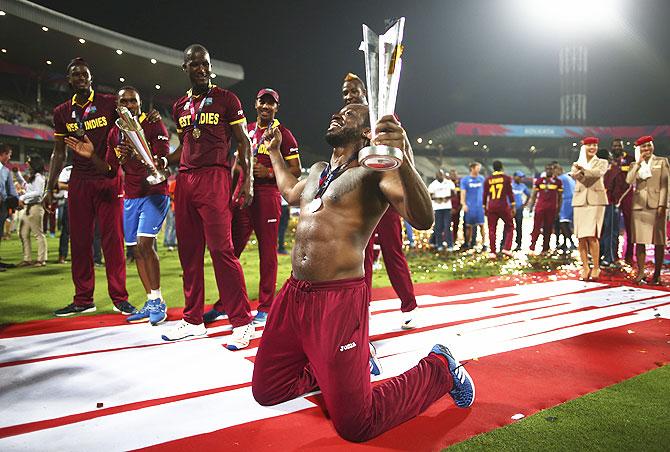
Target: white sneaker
[[240, 337], [183, 329], [409, 320], [492, 256]]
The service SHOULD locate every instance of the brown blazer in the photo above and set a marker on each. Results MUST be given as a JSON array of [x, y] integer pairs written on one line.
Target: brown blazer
[[589, 186], [653, 192]]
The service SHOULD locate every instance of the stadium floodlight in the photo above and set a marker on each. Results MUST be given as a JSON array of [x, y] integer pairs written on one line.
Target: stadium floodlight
[[476, 143], [532, 148], [49, 62], [119, 52], [2, 13], [82, 41], [485, 147], [154, 61], [430, 141], [419, 140], [121, 79], [574, 145], [158, 86], [4, 50], [571, 16], [213, 75], [45, 28]]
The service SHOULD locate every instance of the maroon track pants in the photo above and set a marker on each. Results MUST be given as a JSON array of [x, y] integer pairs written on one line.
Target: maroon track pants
[[543, 220], [203, 216], [317, 337], [389, 236], [88, 200], [627, 210], [492, 217], [262, 217]]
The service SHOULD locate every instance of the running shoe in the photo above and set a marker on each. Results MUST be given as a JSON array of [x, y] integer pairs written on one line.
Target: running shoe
[[463, 389]]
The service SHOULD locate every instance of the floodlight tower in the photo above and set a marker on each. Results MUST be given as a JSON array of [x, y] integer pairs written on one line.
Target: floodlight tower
[[573, 67]]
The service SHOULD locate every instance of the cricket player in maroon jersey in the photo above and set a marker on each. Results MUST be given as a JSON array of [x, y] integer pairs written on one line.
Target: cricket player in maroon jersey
[[145, 205], [207, 117], [455, 204], [625, 202], [317, 331], [499, 205], [546, 198], [92, 195], [262, 216], [388, 232]]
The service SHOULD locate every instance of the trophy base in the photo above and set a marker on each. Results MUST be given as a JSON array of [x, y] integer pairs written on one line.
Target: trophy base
[[380, 158], [156, 179]]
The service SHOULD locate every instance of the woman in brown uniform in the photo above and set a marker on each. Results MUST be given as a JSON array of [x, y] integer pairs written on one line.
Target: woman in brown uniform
[[650, 201], [589, 201]]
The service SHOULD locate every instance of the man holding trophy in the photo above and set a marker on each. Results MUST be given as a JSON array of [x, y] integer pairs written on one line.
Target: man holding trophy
[[133, 143], [316, 335]]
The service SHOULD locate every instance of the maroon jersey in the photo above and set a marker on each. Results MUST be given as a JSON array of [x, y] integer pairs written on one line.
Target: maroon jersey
[[135, 182], [615, 183], [289, 148], [547, 189], [624, 164], [96, 117], [456, 196], [498, 193], [220, 110]]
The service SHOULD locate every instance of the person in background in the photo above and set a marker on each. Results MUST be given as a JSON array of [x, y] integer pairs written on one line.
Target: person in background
[[440, 194], [283, 225], [8, 193], [521, 197], [63, 215], [472, 192], [625, 160], [499, 204], [455, 204], [615, 186], [409, 233], [32, 222], [170, 237], [546, 200], [589, 201], [566, 212], [650, 174]]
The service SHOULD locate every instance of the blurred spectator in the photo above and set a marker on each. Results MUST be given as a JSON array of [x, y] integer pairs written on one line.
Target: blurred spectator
[[472, 192], [455, 205], [615, 185], [440, 194], [32, 222], [547, 193], [8, 195], [63, 216], [566, 212]]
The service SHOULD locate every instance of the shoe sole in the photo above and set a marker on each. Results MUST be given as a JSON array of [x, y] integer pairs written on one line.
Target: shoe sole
[[165, 338], [407, 327], [142, 320], [115, 309], [472, 384], [91, 309]]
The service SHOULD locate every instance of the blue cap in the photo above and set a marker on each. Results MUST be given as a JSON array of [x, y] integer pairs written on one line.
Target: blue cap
[[519, 174]]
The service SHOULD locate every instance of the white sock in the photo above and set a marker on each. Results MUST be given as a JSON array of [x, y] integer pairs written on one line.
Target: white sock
[[149, 296], [156, 294]]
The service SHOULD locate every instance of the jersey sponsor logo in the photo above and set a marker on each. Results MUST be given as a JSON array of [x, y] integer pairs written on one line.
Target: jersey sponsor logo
[[162, 137], [474, 184], [205, 118], [348, 346], [90, 124]]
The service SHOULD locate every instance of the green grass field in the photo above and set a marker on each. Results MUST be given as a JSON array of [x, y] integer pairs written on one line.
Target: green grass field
[[631, 416]]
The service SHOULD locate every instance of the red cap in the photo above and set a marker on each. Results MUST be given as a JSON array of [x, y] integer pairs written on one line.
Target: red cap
[[590, 140], [269, 91], [644, 139]]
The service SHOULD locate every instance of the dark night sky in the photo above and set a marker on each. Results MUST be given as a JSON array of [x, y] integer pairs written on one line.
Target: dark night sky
[[464, 60]]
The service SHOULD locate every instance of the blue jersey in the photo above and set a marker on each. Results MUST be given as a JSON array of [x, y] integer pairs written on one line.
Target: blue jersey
[[568, 188], [519, 190], [474, 191]]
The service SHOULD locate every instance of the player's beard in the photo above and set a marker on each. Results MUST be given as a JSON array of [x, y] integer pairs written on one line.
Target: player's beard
[[342, 137]]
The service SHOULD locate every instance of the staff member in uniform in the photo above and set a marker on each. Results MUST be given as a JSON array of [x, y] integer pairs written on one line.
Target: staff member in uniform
[[650, 201], [589, 201]]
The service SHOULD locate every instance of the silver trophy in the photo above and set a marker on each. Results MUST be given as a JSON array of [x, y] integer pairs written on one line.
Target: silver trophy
[[131, 128], [382, 73]]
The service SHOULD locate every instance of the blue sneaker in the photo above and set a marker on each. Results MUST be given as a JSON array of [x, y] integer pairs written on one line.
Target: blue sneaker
[[140, 316], [375, 365], [260, 318], [157, 311], [463, 391], [213, 315]]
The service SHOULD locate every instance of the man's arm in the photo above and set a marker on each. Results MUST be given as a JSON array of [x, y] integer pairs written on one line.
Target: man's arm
[[287, 181], [245, 192], [485, 193], [463, 203], [404, 188], [533, 198], [85, 149], [55, 167]]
